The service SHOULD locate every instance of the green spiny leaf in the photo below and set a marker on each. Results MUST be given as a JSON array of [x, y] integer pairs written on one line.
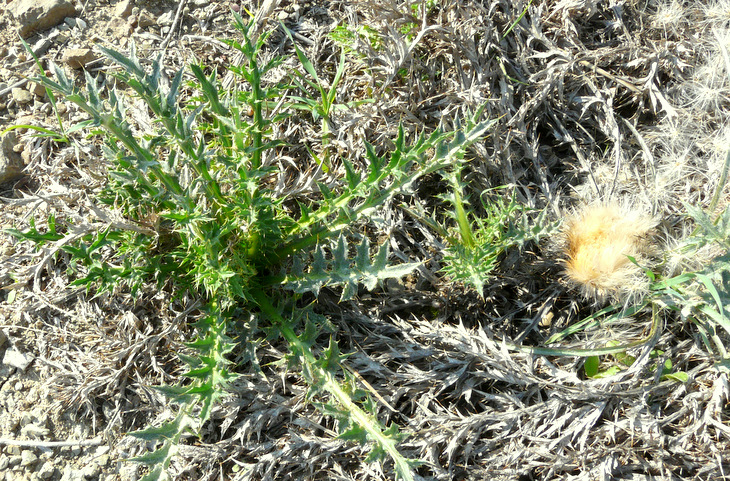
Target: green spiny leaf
[[347, 272]]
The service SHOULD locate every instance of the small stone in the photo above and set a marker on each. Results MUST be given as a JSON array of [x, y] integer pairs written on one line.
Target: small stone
[[28, 458], [70, 21], [62, 108], [60, 38], [14, 358], [123, 9], [201, 3], [34, 430], [81, 24], [46, 471], [166, 18], [145, 19], [25, 419], [21, 95], [38, 15], [3, 340], [36, 89], [118, 27], [91, 471], [41, 46], [11, 424], [70, 474], [13, 451], [77, 58], [4, 461], [15, 460], [11, 164]]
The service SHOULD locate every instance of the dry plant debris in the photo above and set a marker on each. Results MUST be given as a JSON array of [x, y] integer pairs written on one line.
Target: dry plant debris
[[623, 100], [599, 239]]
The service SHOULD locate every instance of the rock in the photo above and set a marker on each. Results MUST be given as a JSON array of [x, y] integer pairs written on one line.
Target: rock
[[47, 471], [36, 89], [91, 471], [123, 9], [81, 24], [13, 451], [34, 430], [38, 15], [77, 58], [11, 163], [118, 27], [70, 474], [25, 419], [14, 358], [60, 38], [28, 458], [21, 95], [166, 18], [145, 19], [3, 338], [42, 46]]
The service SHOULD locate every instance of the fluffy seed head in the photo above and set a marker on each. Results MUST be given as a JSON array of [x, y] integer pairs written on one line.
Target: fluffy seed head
[[598, 239]]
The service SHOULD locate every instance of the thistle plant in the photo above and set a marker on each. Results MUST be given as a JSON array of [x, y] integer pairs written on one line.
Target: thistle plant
[[477, 241], [322, 108], [200, 215], [602, 248]]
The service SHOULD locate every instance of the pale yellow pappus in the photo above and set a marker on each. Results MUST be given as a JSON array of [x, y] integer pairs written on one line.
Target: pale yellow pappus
[[598, 240]]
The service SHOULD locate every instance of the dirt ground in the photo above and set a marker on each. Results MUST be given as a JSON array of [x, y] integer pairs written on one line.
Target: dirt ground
[[624, 98]]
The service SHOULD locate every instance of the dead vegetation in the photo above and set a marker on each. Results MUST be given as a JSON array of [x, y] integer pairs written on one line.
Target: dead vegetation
[[595, 100]]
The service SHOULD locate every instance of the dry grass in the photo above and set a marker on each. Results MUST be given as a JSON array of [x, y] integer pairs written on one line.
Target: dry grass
[[595, 102]]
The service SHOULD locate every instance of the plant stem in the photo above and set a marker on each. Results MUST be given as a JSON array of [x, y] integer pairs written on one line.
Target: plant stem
[[464, 228], [331, 385], [258, 118]]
